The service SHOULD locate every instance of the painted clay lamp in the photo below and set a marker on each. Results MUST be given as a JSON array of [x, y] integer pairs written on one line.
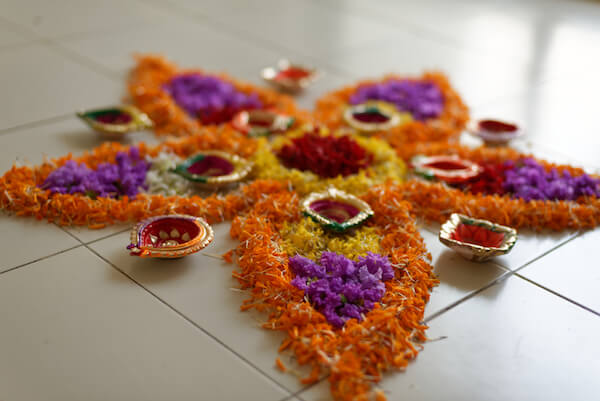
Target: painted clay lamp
[[494, 132], [289, 77], [336, 210], [170, 236], [261, 122], [450, 169], [374, 116], [213, 169], [477, 240], [115, 121]]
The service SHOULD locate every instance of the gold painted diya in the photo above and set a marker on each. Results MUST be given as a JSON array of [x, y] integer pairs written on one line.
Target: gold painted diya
[[213, 168], [170, 236], [374, 116], [261, 122], [477, 240], [116, 121], [289, 77], [336, 210], [450, 169], [494, 132]]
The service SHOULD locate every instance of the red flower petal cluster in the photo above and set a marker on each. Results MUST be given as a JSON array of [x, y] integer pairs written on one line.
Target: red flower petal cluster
[[489, 182], [326, 156]]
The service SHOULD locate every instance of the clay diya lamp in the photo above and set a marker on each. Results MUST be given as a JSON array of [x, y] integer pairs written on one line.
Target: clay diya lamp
[[477, 240], [261, 122], [289, 77], [115, 121], [374, 116], [336, 210], [450, 169], [171, 236], [214, 169], [494, 132]]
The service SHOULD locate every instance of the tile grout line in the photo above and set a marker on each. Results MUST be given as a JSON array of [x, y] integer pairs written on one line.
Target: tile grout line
[[243, 35], [297, 395], [37, 123], [180, 314], [190, 321], [470, 295], [557, 294], [41, 258]]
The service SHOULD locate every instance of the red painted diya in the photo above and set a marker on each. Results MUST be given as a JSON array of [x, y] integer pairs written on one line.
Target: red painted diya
[[171, 236], [116, 121], [477, 240], [261, 122], [374, 116], [289, 77], [213, 168], [450, 169], [336, 210], [494, 132]]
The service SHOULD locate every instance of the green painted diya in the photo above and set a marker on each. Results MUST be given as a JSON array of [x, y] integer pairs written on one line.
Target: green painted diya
[[213, 168], [336, 210], [116, 121], [374, 116]]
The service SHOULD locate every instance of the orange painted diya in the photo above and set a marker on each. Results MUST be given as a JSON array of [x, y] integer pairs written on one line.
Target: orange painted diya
[[170, 236]]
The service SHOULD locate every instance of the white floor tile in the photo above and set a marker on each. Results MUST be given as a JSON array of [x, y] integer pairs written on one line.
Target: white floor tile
[[552, 118], [219, 52], [299, 26], [44, 84], [67, 17], [513, 341], [202, 288], [73, 328], [25, 239], [10, 36], [571, 270], [458, 276], [530, 245], [29, 146]]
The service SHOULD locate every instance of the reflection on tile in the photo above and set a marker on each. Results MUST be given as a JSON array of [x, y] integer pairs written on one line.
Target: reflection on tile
[[59, 88], [571, 271], [512, 341], [29, 146], [73, 328], [84, 16], [203, 290], [558, 115], [219, 51], [25, 239], [458, 276]]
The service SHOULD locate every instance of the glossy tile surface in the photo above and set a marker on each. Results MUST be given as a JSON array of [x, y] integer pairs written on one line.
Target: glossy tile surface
[[77, 329], [201, 287], [511, 341], [572, 272], [73, 327], [55, 90]]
